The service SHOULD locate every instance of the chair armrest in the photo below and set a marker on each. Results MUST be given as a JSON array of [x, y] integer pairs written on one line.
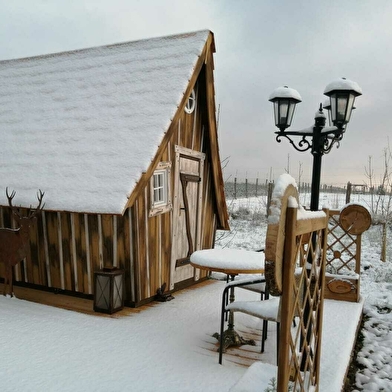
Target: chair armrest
[[241, 283], [245, 281]]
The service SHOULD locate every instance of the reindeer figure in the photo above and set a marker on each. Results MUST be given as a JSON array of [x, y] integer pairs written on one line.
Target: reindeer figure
[[15, 243]]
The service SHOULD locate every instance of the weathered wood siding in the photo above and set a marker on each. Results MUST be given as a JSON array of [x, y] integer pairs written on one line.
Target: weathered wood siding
[[66, 249], [154, 234]]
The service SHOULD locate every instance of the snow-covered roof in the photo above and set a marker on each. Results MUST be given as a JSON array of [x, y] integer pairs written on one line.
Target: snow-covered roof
[[84, 125]]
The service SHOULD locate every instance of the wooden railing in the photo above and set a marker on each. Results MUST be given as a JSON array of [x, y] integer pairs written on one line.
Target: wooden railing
[[302, 300]]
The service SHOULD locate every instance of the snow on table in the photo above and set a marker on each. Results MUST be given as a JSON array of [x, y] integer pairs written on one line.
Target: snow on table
[[229, 260]]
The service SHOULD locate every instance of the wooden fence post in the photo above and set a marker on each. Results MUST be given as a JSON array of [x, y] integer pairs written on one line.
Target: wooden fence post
[[269, 196], [383, 256], [348, 192], [235, 188]]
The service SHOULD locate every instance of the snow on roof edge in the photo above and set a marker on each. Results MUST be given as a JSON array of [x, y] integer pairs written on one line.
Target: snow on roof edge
[[107, 46]]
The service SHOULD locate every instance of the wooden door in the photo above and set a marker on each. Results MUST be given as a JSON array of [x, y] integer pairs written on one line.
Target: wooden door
[[188, 185]]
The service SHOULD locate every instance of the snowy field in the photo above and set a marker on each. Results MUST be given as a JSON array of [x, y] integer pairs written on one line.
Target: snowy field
[[165, 348]]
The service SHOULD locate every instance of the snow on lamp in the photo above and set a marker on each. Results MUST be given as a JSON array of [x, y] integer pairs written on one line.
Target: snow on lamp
[[342, 94], [284, 99]]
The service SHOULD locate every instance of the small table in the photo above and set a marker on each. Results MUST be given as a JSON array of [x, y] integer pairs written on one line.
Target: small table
[[231, 262]]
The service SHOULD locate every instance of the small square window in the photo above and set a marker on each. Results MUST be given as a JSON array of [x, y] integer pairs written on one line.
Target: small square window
[[160, 189]]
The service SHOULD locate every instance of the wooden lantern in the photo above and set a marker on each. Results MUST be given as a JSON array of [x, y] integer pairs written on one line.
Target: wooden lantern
[[108, 290]]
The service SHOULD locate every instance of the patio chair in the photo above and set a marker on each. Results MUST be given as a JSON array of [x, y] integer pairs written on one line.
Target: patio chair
[[259, 287], [267, 309]]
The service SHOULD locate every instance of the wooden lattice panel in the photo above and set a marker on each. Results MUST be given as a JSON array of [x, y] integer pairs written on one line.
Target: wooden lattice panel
[[343, 261]]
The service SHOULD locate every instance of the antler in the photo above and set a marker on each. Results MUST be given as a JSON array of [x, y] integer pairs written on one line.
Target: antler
[[10, 197], [13, 193], [40, 196]]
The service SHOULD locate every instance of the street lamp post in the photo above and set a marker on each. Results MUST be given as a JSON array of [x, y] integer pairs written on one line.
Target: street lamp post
[[319, 138]]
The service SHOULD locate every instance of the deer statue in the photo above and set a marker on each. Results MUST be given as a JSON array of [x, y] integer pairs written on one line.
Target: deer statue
[[15, 243]]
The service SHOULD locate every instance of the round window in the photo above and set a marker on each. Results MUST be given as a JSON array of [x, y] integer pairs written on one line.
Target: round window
[[190, 105]]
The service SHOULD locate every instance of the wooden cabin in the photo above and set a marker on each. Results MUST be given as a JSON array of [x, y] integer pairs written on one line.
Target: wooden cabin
[[123, 141]]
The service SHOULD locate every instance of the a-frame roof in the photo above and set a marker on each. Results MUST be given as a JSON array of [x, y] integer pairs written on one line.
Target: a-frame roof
[[84, 125]]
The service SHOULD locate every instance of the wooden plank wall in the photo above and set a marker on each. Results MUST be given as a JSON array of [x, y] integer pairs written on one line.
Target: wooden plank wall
[[66, 249]]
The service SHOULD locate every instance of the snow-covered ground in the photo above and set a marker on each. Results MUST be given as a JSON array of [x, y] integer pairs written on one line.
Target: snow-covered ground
[[167, 346]]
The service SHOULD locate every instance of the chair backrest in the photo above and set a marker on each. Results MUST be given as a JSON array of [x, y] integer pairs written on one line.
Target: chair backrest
[[295, 270], [285, 190]]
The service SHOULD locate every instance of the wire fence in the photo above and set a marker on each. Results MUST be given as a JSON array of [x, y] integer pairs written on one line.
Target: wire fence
[[245, 188]]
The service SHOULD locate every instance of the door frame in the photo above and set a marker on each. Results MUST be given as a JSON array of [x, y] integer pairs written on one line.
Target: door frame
[[196, 156]]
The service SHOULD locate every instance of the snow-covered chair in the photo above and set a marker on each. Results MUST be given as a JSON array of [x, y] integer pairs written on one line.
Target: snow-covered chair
[[258, 286], [267, 309], [295, 253]]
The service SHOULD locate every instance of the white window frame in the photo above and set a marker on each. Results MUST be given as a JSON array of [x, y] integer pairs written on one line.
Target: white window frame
[[162, 203], [191, 103]]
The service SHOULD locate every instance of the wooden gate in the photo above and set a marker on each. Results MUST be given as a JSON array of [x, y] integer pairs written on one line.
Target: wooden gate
[[188, 185]]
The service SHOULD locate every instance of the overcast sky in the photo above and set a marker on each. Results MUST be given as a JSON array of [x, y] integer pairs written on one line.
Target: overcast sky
[[261, 45]]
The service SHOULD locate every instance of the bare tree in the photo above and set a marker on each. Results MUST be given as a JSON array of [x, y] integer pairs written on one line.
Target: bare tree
[[380, 194]]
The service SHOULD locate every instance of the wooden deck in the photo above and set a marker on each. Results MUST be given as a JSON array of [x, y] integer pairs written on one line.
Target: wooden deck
[[244, 355], [69, 302], [339, 333], [81, 305]]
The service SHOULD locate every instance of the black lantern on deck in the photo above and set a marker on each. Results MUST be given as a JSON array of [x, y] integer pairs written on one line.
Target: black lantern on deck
[[108, 290]]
